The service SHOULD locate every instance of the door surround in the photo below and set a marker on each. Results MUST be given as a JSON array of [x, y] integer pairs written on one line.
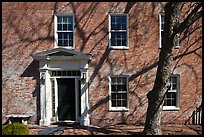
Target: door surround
[[60, 59]]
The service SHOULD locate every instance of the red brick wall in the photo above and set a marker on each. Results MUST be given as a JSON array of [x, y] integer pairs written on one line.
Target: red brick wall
[[27, 28]]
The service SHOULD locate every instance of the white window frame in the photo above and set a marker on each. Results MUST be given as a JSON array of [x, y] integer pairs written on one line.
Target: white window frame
[[109, 30], [110, 102], [56, 32], [176, 107], [161, 30]]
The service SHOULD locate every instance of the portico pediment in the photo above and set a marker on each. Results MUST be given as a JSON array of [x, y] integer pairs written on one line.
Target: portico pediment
[[60, 54]]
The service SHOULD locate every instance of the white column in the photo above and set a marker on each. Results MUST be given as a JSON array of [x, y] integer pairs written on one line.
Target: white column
[[48, 104], [45, 100], [42, 98], [84, 120]]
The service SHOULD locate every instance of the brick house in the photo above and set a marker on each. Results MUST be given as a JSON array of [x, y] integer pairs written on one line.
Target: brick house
[[93, 63]]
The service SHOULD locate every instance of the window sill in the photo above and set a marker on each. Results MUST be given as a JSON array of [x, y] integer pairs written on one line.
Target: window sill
[[119, 47], [115, 109], [66, 47], [170, 108], [176, 47]]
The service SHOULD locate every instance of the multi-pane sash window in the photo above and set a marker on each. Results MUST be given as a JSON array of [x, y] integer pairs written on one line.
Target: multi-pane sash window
[[171, 98], [161, 26], [119, 89], [118, 31], [65, 31]]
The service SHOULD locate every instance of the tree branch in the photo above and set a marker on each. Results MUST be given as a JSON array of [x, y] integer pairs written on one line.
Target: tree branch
[[190, 19]]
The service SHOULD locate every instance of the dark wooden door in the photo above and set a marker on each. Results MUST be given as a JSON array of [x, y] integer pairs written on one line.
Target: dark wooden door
[[66, 99]]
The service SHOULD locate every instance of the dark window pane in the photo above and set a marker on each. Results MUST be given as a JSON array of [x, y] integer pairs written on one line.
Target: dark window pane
[[63, 73], [65, 27], [59, 42], [59, 35], [65, 35], [118, 38], [118, 103], [173, 79], [124, 42], [65, 20], [114, 96], [174, 102], [124, 103], [113, 40], [123, 26], [118, 22], [123, 19], [70, 35], [119, 87], [70, 42], [124, 96], [162, 35], [162, 19], [113, 19], [70, 20], [59, 20], [168, 95], [162, 26], [59, 27], [168, 102], [114, 88], [173, 95], [58, 73], [70, 27], [174, 86], [65, 42], [113, 103], [74, 73]]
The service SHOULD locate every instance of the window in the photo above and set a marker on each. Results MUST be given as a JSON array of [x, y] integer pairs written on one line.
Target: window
[[64, 35], [161, 27], [172, 96], [118, 93], [66, 73], [118, 31]]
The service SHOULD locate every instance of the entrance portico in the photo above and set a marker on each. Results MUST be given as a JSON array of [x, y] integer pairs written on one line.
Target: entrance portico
[[63, 86]]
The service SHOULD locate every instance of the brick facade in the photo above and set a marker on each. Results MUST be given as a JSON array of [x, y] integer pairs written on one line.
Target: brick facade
[[28, 28]]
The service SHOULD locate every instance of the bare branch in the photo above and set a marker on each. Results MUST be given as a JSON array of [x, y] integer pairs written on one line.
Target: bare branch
[[190, 19]]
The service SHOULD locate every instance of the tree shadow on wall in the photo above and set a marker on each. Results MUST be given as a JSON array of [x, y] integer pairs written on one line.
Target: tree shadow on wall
[[32, 71]]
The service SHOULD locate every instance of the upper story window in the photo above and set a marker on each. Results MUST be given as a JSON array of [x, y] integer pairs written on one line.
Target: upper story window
[[171, 101], [118, 93], [64, 31], [118, 31], [161, 32], [161, 27]]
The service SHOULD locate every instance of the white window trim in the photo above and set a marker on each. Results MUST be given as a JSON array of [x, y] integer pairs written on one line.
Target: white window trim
[[110, 103], [109, 32], [56, 32], [174, 108]]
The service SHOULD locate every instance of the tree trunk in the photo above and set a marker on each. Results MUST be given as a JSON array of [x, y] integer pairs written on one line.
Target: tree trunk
[[161, 84]]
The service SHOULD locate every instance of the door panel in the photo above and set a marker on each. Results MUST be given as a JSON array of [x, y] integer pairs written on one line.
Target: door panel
[[66, 99]]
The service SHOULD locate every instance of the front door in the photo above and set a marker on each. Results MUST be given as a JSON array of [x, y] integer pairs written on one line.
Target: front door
[[66, 99]]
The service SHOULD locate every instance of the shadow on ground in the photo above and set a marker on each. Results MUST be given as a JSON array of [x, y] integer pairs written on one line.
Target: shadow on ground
[[74, 129]]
